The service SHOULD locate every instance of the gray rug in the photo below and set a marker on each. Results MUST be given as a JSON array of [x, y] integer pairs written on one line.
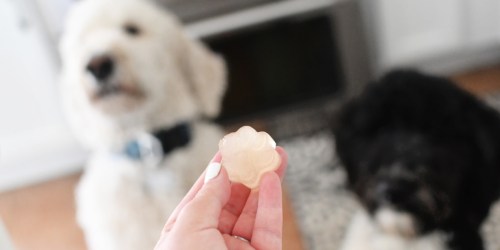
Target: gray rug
[[323, 207]]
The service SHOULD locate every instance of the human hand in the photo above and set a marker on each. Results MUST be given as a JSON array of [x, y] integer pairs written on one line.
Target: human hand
[[218, 214]]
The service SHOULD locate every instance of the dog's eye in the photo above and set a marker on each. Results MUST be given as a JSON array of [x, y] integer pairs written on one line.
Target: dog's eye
[[132, 29]]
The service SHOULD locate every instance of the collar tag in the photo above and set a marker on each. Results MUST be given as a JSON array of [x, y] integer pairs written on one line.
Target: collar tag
[[146, 148]]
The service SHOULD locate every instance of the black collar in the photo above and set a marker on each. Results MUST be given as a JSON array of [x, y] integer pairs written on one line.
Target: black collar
[[153, 147], [176, 137]]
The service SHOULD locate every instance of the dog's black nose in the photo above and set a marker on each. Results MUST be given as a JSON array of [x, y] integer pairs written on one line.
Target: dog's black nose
[[396, 191], [101, 67]]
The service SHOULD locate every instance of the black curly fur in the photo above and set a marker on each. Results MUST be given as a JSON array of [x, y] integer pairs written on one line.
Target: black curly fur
[[447, 140]]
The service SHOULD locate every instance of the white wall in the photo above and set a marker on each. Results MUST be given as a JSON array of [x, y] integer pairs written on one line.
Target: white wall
[[53, 13], [35, 142], [483, 27], [442, 36]]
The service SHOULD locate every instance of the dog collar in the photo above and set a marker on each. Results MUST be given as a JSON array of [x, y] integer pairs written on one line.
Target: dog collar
[[151, 148]]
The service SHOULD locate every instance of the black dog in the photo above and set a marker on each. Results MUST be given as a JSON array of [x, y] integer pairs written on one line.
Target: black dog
[[419, 145]]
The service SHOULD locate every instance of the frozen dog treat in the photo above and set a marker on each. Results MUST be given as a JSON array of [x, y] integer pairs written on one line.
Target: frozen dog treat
[[247, 155]]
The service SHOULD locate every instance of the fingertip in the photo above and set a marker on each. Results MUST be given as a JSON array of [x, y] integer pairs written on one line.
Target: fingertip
[[284, 162], [219, 187], [221, 179], [217, 157], [281, 150]]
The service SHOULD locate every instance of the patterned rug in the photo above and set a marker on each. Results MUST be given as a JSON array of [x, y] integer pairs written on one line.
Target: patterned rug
[[323, 207]]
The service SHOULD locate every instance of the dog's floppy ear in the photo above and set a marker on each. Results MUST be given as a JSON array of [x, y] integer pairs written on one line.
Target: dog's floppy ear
[[206, 73]]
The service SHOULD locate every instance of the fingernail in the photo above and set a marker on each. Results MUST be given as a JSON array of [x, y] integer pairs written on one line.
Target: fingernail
[[213, 170]]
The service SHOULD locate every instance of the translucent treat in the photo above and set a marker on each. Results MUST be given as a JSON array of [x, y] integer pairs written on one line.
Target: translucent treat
[[247, 155]]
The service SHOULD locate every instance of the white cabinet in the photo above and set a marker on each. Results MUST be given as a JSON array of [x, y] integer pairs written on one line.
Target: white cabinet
[[484, 18], [445, 34], [35, 142]]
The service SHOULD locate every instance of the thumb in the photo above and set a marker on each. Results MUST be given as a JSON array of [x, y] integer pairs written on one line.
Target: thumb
[[204, 209]]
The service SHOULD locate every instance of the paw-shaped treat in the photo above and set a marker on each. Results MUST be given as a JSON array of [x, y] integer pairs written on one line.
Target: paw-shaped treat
[[247, 155]]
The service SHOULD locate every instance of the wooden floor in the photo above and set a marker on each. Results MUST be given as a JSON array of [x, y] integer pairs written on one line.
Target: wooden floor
[[480, 82], [42, 216]]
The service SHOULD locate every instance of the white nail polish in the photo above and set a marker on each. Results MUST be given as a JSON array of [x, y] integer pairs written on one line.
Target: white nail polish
[[213, 170]]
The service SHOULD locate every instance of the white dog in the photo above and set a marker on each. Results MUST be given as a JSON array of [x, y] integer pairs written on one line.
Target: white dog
[[137, 90]]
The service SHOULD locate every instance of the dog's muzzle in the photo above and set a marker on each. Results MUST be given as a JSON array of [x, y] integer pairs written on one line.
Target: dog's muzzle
[[395, 191], [101, 68]]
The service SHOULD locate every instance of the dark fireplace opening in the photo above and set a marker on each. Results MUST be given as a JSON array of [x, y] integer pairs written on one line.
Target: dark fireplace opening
[[279, 64]]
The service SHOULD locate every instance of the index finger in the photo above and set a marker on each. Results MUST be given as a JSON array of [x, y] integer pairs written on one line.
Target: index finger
[[189, 196]]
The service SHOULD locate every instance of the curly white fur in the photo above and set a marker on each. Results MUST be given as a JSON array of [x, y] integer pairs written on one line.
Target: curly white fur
[[120, 203]]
